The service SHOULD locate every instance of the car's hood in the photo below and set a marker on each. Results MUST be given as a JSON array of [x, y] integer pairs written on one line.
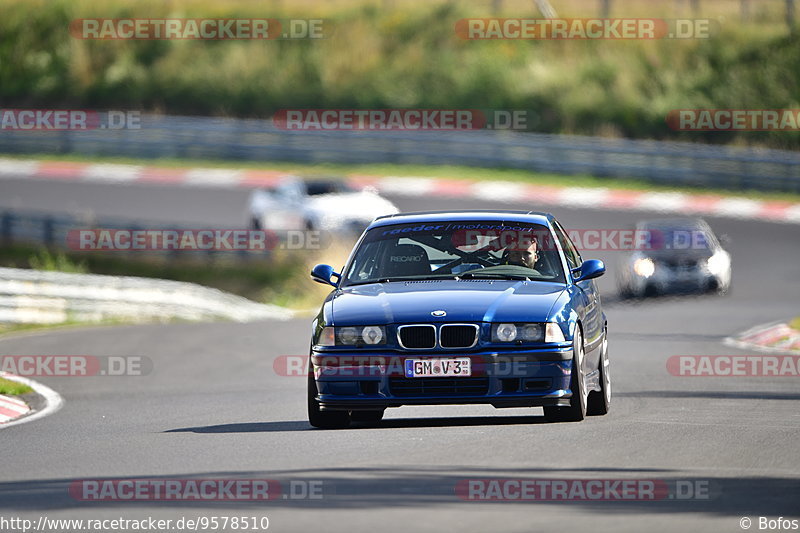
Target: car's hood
[[463, 301]]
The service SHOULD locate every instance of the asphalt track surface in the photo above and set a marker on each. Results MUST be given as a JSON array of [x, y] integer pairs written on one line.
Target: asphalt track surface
[[215, 408]]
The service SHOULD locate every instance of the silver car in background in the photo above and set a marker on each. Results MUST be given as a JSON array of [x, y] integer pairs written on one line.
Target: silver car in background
[[681, 255], [316, 204]]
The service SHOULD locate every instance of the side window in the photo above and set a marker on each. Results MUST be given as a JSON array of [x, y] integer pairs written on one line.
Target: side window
[[573, 257], [364, 265]]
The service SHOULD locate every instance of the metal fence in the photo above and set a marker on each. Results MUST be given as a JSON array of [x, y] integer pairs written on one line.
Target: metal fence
[[53, 232], [33, 296], [670, 163]]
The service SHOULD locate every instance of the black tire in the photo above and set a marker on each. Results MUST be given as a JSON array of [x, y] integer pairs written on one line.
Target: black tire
[[599, 402], [577, 408], [367, 417], [324, 419], [625, 292]]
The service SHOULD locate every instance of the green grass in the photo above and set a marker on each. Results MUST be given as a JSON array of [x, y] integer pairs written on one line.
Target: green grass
[[795, 323], [456, 172], [12, 388], [405, 54], [56, 262]]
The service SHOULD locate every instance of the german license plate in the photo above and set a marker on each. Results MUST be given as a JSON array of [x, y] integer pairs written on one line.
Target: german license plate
[[438, 368]]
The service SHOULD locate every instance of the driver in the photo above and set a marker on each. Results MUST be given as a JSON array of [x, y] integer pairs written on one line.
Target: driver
[[526, 257]]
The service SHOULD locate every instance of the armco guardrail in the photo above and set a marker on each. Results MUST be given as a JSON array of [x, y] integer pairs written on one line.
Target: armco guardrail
[[671, 163], [19, 227], [33, 296]]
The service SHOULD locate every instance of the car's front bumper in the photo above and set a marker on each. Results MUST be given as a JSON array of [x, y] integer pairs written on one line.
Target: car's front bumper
[[371, 381], [668, 281]]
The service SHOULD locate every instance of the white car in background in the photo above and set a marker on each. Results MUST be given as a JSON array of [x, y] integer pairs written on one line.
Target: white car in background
[[682, 255], [316, 204]]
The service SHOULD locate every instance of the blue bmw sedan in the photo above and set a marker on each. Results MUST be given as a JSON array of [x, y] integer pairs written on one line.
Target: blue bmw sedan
[[473, 307]]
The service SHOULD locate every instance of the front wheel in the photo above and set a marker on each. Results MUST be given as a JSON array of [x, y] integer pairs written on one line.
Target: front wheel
[[324, 419], [577, 407], [600, 401]]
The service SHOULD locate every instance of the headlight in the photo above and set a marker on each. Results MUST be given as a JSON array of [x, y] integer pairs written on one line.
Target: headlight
[[373, 335], [718, 263], [504, 332], [524, 332], [348, 335], [530, 332], [553, 333], [644, 267], [352, 336]]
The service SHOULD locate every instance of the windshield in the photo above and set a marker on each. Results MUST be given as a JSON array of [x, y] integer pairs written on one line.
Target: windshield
[[679, 239], [439, 250], [316, 188]]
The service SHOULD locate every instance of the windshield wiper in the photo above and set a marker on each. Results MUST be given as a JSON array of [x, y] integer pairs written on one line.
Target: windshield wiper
[[404, 279], [377, 280], [478, 275]]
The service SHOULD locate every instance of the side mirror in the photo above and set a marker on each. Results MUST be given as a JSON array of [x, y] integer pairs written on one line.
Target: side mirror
[[590, 269], [324, 273]]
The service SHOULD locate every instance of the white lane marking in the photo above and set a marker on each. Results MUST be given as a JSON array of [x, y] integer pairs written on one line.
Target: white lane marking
[[15, 168], [410, 186], [424, 186], [583, 196], [16, 407], [737, 207], [112, 173], [12, 402], [663, 201], [503, 191], [213, 177], [792, 214], [53, 400]]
